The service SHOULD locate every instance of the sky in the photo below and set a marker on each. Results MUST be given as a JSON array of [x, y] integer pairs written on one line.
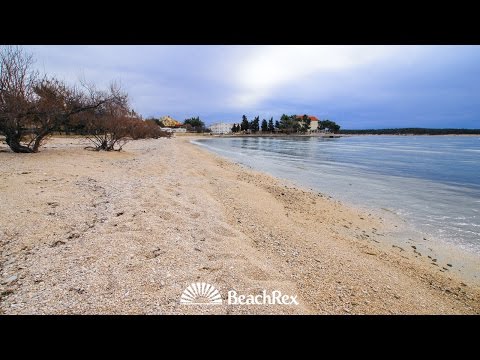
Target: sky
[[359, 87]]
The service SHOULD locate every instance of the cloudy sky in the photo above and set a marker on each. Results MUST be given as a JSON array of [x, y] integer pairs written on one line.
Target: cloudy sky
[[356, 86]]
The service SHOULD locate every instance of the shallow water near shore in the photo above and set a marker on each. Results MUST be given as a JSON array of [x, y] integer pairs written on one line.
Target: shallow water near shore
[[433, 183]]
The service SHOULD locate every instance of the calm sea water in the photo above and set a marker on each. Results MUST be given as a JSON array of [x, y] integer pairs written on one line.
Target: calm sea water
[[431, 181]]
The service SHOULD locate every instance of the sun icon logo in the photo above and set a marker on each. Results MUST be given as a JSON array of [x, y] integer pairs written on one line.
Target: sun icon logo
[[201, 294]]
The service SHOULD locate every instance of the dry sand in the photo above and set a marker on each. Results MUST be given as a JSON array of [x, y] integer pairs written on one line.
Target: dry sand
[[85, 232]]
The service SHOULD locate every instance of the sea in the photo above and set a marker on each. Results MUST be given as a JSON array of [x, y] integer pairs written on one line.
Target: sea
[[432, 182]]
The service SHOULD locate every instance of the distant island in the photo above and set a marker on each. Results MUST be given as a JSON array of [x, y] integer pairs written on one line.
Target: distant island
[[411, 131]]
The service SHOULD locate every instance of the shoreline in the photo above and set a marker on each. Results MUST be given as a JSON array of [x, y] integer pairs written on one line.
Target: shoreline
[[125, 232], [327, 136], [403, 235]]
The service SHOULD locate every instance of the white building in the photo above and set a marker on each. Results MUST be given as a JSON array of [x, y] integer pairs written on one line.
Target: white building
[[174, 130], [221, 128]]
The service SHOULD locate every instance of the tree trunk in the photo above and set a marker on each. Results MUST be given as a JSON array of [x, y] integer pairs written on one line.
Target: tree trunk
[[38, 141], [15, 145]]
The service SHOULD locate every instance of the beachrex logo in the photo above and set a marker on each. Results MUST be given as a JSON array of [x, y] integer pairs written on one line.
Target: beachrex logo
[[201, 294], [206, 294]]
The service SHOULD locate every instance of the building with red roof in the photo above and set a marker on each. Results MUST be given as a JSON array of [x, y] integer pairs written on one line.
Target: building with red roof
[[313, 122]]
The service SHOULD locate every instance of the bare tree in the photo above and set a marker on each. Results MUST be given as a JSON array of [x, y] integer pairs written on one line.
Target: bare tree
[[32, 107], [108, 125], [17, 79]]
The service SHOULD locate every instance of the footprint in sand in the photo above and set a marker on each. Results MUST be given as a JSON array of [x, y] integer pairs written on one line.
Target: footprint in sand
[[165, 215], [195, 215], [226, 256], [255, 273], [223, 231]]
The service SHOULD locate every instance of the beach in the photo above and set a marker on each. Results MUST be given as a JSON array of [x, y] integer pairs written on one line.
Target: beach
[[85, 232]]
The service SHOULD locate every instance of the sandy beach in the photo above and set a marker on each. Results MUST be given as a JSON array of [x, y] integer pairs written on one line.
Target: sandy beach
[[86, 232]]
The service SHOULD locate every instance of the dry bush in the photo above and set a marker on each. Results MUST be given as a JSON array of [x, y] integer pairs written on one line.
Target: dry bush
[[113, 125], [146, 129]]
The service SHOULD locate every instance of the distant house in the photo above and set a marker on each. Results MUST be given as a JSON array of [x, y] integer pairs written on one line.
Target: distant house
[[221, 128], [313, 122], [168, 121]]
